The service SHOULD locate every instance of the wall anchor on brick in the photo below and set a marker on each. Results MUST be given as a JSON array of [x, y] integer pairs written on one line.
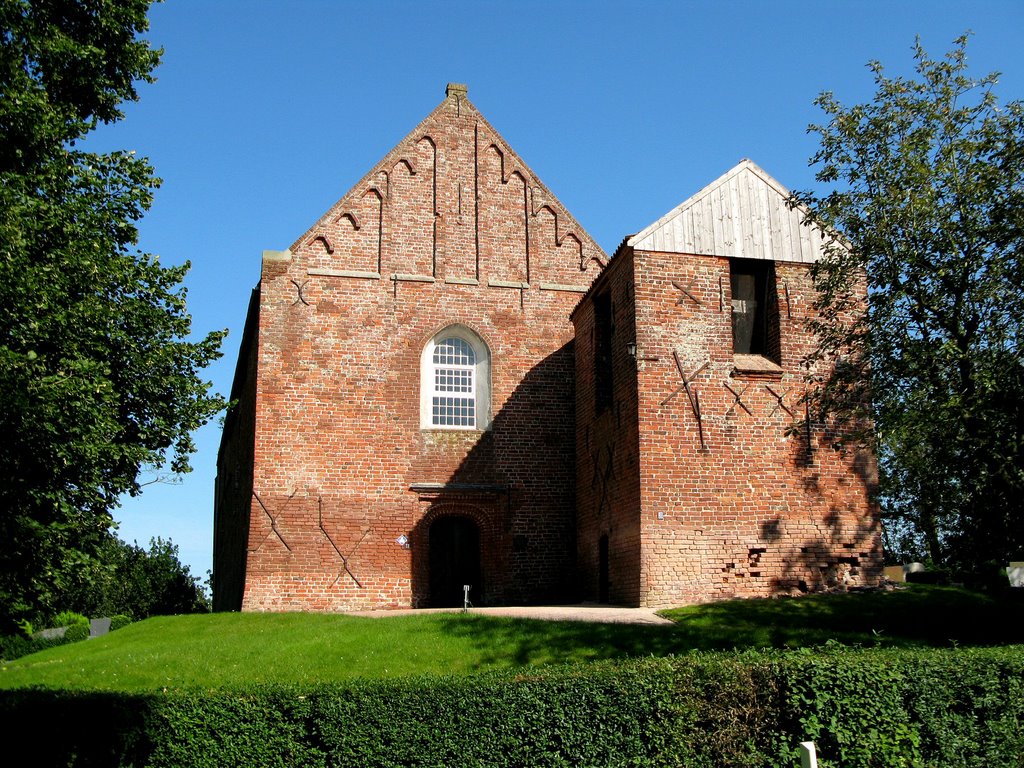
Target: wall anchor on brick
[[273, 522], [344, 560], [603, 477], [687, 293], [691, 394], [808, 432], [738, 399], [781, 398], [298, 289]]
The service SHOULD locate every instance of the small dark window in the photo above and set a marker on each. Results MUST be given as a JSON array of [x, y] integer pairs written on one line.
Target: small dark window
[[603, 330], [603, 580], [755, 312]]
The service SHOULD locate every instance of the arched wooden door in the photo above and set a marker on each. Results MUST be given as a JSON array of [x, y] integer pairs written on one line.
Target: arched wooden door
[[454, 561]]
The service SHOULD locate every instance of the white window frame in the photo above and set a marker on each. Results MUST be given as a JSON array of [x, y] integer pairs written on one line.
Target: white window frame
[[481, 379]]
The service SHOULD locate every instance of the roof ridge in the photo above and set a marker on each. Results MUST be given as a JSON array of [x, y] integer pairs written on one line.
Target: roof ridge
[[745, 164]]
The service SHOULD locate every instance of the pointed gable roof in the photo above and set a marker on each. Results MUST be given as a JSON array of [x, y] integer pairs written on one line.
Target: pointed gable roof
[[742, 214], [448, 160]]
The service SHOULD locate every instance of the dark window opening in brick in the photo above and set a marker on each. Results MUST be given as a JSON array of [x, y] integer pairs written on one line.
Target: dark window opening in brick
[[755, 308], [603, 331], [603, 580]]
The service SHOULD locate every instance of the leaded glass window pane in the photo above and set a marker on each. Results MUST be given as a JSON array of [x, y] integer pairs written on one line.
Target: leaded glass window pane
[[454, 351], [454, 399]]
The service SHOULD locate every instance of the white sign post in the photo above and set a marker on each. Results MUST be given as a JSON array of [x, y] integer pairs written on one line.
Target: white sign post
[[808, 755]]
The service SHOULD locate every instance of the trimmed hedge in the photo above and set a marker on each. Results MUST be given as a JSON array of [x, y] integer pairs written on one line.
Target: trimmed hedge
[[870, 708], [119, 621]]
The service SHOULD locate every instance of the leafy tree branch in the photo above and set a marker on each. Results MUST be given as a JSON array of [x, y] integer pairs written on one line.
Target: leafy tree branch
[[99, 371]]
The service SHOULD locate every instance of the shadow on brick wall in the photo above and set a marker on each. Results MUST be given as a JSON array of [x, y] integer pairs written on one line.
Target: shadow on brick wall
[[516, 485], [848, 549]]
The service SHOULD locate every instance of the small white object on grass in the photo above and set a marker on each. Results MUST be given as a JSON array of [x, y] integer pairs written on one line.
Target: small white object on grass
[[808, 755]]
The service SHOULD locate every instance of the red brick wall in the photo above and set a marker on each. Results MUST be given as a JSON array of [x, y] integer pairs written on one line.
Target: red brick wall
[[753, 512], [607, 446], [234, 475], [324, 464], [341, 465]]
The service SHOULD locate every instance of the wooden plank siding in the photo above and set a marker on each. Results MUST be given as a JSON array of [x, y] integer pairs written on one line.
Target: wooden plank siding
[[742, 214]]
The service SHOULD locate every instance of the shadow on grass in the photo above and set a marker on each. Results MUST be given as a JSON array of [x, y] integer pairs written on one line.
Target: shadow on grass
[[920, 616]]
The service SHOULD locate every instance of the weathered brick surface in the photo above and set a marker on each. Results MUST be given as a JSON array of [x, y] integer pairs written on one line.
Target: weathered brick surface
[[595, 478], [341, 468], [752, 511], [607, 447], [234, 475]]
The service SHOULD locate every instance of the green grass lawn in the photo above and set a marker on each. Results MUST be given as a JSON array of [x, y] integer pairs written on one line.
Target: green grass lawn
[[228, 649]]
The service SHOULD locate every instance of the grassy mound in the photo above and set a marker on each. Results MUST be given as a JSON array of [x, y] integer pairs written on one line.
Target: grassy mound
[[223, 650]]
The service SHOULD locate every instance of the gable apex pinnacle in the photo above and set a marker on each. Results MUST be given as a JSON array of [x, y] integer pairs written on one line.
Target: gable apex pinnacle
[[457, 90]]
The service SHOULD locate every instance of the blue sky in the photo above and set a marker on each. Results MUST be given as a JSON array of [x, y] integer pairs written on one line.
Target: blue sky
[[265, 113]]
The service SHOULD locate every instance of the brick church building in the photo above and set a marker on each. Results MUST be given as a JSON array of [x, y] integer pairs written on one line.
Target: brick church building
[[445, 381]]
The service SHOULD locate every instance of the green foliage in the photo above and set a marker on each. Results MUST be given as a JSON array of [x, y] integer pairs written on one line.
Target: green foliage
[[576, 716], [120, 621], [78, 629], [929, 200], [97, 379], [864, 709], [69, 619], [915, 616], [226, 649], [851, 706], [139, 583], [77, 632], [154, 582], [15, 646]]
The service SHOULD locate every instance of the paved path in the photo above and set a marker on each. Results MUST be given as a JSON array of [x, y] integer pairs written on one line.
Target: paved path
[[605, 614]]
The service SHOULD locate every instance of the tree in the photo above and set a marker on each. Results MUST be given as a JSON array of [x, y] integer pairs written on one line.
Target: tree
[[127, 579], [929, 203], [98, 377]]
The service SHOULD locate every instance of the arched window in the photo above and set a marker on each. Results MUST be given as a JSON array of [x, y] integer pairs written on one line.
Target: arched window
[[455, 381]]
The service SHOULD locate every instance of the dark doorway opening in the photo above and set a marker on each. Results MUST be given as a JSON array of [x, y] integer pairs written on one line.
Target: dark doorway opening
[[602, 569], [454, 561]]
